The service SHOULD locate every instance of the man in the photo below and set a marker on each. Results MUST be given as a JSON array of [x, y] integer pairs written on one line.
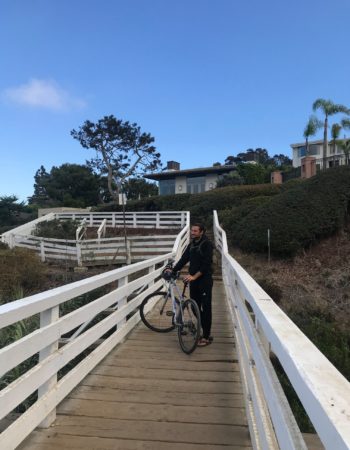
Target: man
[[199, 253]]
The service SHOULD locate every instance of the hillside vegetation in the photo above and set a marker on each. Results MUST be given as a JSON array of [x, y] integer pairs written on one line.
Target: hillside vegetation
[[298, 213]]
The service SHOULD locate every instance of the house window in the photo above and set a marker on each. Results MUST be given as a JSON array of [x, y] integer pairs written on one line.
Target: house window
[[314, 149], [301, 151], [195, 185], [167, 187]]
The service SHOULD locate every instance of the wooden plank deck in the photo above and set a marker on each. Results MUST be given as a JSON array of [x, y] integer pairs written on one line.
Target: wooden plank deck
[[147, 394]]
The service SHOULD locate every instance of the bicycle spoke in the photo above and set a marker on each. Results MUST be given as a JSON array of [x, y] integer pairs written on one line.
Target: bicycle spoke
[[157, 313], [189, 331]]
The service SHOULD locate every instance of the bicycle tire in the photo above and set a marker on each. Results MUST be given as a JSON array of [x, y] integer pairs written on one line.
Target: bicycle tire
[[158, 318], [189, 332]]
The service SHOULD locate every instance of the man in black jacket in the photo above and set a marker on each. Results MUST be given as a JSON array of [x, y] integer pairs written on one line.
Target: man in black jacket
[[199, 253]]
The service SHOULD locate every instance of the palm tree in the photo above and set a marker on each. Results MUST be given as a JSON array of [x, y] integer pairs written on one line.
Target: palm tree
[[345, 146], [335, 133], [329, 109], [345, 123], [310, 130]]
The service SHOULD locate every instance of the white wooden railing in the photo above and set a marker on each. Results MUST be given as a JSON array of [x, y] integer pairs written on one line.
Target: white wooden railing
[[120, 302], [265, 328], [148, 219], [97, 251], [101, 250], [80, 232], [101, 232]]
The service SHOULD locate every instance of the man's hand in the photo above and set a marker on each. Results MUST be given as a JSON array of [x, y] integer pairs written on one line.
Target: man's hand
[[189, 278]]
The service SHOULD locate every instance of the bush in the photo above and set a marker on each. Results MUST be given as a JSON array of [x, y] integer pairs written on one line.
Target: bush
[[297, 217], [201, 206], [230, 218], [21, 272], [57, 229]]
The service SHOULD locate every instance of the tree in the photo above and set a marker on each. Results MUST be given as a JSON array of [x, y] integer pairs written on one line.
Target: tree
[[345, 146], [345, 123], [252, 173], [279, 161], [68, 185], [121, 150], [310, 129], [41, 179], [136, 188], [229, 179], [329, 109], [335, 133], [13, 213], [232, 160]]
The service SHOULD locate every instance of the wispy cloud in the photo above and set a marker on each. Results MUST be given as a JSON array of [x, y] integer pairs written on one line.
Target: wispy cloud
[[45, 94]]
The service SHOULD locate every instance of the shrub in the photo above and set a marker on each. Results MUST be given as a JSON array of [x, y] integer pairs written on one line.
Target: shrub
[[57, 229], [230, 218], [297, 217], [201, 206], [21, 272]]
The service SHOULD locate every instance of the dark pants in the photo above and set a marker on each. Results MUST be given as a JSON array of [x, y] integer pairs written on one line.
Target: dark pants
[[200, 291]]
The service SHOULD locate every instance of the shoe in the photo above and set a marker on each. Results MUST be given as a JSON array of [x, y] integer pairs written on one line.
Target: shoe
[[203, 342]]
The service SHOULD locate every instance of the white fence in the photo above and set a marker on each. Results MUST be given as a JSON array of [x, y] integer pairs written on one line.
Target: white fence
[[261, 328], [98, 251], [102, 250], [127, 287], [151, 219]]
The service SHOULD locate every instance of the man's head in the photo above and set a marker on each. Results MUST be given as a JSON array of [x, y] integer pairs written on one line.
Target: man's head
[[197, 230]]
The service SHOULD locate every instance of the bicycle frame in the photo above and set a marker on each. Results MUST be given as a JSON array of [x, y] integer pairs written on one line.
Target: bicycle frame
[[181, 297]]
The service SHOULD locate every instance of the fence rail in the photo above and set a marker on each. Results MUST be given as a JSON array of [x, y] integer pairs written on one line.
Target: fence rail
[[127, 287], [102, 250], [148, 219], [262, 327], [94, 251]]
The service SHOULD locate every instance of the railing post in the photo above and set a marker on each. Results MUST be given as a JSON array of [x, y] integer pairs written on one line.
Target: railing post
[[42, 250], [122, 282], [46, 318], [79, 258], [157, 220], [134, 220], [128, 252], [113, 220], [151, 269], [91, 220]]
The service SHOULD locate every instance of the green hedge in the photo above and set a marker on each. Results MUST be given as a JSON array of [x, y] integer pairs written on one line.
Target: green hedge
[[201, 206], [297, 217]]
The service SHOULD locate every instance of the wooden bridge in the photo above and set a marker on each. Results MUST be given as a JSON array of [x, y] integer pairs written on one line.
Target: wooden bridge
[[135, 389], [148, 394]]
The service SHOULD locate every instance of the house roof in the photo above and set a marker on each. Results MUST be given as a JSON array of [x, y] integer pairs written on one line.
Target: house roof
[[302, 144], [166, 175]]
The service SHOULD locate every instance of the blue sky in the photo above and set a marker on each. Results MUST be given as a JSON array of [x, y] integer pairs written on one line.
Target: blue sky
[[207, 79]]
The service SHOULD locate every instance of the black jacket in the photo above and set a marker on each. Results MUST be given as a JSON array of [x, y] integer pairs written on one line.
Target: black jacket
[[200, 255]]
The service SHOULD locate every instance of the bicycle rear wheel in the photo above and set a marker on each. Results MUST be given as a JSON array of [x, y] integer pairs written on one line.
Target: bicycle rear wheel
[[160, 317], [189, 331]]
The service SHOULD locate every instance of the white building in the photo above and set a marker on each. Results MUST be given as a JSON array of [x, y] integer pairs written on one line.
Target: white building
[[192, 181], [334, 158]]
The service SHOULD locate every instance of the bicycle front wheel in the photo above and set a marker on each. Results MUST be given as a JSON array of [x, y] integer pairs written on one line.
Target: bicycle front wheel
[[160, 317], [189, 331]]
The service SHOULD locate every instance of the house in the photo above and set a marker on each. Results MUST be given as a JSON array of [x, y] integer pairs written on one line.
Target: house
[[335, 154], [192, 181]]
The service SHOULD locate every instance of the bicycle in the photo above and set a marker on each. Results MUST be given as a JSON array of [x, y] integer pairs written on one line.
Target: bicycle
[[171, 311]]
